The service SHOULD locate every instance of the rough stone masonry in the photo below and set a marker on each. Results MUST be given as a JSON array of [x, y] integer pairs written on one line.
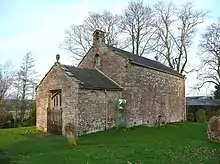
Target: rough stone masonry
[[90, 90]]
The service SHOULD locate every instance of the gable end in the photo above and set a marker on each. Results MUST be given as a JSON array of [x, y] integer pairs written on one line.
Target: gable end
[[44, 77]]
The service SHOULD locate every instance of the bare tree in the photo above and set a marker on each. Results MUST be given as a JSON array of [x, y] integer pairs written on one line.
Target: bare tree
[[78, 39], [137, 23], [176, 29], [6, 80], [209, 72], [26, 78]]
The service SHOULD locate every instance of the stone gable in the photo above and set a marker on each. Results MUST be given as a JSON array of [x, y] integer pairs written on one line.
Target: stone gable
[[56, 79], [89, 110]]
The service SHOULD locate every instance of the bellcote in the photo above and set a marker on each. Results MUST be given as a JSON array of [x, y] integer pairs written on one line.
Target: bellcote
[[98, 37]]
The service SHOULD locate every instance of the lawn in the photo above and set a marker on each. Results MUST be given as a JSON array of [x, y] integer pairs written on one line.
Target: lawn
[[181, 143]]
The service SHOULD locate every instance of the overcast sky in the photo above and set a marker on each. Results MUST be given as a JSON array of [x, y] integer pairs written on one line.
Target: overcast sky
[[39, 25]]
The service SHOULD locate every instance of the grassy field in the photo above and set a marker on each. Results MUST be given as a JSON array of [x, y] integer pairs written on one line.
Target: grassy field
[[183, 143]]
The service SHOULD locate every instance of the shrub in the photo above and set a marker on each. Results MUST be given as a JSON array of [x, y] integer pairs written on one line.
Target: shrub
[[209, 114], [190, 117], [200, 115], [32, 118], [6, 119]]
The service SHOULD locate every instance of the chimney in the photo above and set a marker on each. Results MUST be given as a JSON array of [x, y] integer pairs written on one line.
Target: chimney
[[98, 37]]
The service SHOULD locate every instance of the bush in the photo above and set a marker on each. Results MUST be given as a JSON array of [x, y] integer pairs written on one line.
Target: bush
[[6, 119], [200, 115], [218, 113], [190, 117], [209, 114], [32, 118]]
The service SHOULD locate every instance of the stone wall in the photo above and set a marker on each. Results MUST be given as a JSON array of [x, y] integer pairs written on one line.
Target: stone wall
[[112, 65], [56, 79], [96, 110], [152, 93], [149, 93]]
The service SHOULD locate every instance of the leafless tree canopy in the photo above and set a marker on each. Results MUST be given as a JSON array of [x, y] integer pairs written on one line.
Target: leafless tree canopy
[[133, 29], [210, 55], [176, 29], [78, 39], [107, 22], [164, 29], [137, 23], [6, 80]]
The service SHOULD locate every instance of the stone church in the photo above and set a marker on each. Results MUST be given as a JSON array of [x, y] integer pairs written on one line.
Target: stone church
[[86, 95]]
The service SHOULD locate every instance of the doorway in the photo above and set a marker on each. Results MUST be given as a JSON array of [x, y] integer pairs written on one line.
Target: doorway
[[54, 112]]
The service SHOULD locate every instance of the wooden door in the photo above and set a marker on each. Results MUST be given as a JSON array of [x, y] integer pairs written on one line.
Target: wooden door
[[54, 113]]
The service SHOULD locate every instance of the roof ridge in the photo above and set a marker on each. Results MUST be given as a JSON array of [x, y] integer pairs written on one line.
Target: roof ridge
[[146, 62], [145, 58]]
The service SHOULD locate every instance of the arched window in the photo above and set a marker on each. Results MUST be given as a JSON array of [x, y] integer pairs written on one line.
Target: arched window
[[97, 60], [56, 100]]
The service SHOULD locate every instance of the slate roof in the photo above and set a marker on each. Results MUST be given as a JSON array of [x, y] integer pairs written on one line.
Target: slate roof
[[90, 78], [199, 97], [202, 102], [145, 62]]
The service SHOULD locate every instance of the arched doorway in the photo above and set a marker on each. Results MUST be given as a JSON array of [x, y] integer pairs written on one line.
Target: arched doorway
[[54, 113]]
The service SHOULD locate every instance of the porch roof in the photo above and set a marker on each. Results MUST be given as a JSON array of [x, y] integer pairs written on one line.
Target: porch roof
[[91, 78]]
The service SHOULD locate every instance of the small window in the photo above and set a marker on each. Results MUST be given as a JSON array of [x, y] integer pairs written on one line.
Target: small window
[[97, 35], [97, 60]]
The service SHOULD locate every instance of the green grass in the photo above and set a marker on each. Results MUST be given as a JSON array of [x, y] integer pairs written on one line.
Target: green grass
[[182, 143]]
